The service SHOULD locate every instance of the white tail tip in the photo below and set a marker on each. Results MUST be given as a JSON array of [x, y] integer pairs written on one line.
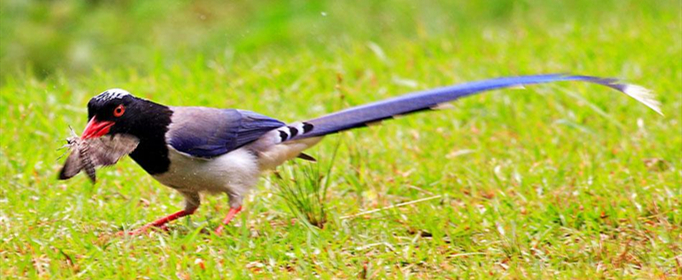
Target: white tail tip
[[643, 95]]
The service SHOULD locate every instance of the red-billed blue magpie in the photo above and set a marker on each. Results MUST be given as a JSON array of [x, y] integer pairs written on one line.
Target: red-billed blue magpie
[[205, 150]]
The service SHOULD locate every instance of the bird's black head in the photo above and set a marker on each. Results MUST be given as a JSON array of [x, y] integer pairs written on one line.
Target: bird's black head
[[110, 112], [117, 111]]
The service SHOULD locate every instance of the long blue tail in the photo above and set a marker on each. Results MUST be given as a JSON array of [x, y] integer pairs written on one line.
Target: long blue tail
[[419, 101]]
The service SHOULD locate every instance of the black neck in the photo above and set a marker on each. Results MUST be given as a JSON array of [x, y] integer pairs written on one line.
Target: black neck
[[152, 153]]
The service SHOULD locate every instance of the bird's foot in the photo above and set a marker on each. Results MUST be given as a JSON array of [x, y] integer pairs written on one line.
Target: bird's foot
[[142, 230], [160, 223], [230, 215], [219, 230]]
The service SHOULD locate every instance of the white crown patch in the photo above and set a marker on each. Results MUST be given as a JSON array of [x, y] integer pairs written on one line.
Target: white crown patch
[[114, 93]]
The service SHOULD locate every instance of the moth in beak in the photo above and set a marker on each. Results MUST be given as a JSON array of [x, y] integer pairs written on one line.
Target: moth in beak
[[92, 150]]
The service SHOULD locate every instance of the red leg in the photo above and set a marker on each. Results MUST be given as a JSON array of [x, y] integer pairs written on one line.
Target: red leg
[[230, 215], [160, 222]]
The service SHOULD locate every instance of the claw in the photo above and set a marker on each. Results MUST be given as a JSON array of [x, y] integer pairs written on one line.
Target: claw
[[219, 230], [230, 215], [138, 231]]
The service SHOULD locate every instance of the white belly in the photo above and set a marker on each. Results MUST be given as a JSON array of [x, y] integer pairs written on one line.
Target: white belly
[[233, 173]]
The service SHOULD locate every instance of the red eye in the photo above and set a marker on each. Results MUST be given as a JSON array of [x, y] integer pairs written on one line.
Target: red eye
[[119, 111]]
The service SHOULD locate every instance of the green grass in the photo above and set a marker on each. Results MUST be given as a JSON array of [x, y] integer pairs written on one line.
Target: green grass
[[558, 181]]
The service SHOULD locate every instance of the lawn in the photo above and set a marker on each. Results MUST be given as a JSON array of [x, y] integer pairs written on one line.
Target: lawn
[[563, 181]]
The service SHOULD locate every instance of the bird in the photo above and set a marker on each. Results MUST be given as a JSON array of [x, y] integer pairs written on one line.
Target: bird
[[196, 150]]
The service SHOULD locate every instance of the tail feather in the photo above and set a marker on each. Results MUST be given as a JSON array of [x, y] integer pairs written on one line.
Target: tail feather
[[368, 114]]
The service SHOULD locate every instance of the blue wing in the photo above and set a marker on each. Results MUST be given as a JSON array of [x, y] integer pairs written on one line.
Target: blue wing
[[207, 132]]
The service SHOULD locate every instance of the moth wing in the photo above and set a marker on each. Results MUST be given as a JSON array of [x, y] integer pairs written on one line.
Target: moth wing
[[106, 151], [72, 166]]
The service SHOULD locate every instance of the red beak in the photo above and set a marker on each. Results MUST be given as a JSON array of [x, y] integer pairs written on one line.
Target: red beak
[[96, 128]]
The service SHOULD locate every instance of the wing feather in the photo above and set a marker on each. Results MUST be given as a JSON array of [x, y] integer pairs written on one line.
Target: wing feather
[[208, 132]]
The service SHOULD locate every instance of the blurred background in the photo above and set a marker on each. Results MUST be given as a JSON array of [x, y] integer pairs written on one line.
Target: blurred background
[[75, 37], [569, 179]]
